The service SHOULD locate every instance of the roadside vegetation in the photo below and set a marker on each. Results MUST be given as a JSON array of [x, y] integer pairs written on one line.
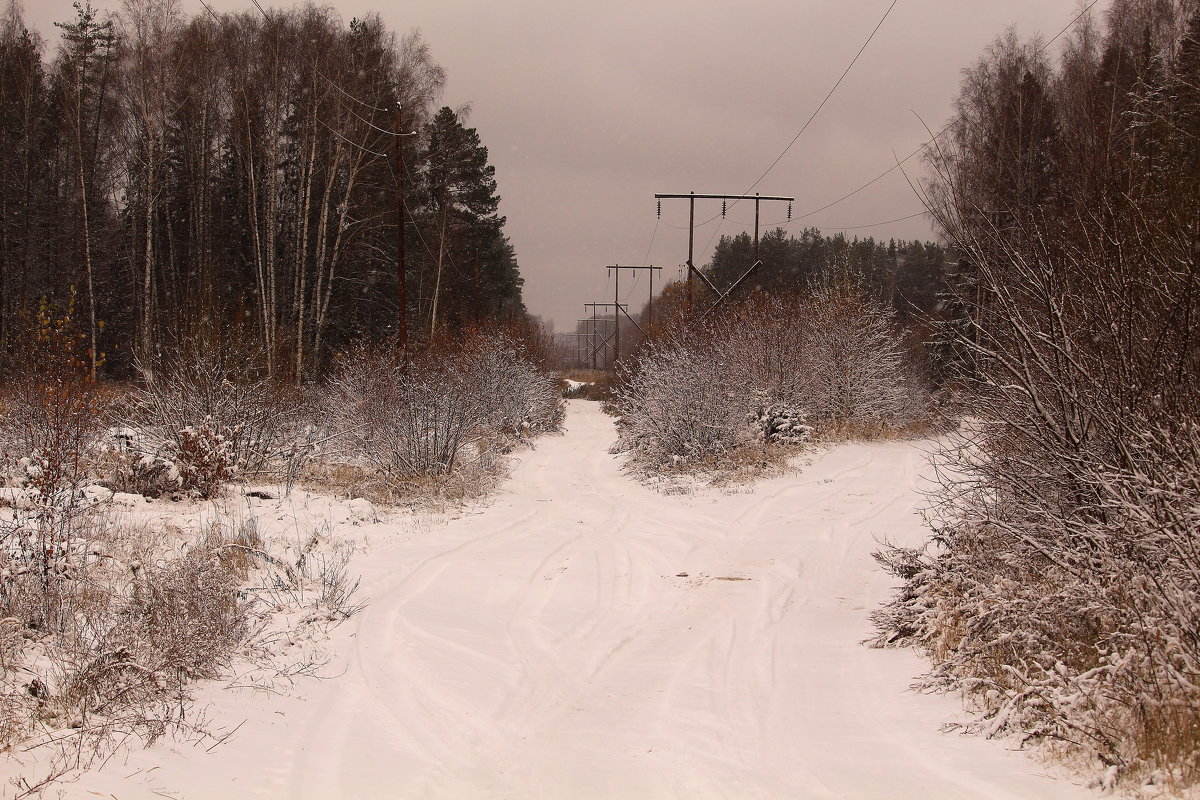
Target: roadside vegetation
[[747, 387], [111, 609], [1061, 590]]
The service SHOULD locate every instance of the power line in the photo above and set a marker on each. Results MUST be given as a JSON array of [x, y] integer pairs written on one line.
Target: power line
[[362, 103], [347, 141], [919, 149], [872, 225], [210, 11], [784, 223], [1066, 27], [838, 83], [815, 112], [940, 133], [653, 234], [878, 177], [637, 276]]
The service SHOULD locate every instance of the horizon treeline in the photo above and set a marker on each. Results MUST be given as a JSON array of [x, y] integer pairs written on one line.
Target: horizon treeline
[[909, 276], [236, 173]]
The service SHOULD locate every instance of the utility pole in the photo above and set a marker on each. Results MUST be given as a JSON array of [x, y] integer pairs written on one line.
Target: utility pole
[[592, 338], [616, 271], [618, 308], [478, 280], [401, 278], [594, 348], [692, 197], [578, 337]]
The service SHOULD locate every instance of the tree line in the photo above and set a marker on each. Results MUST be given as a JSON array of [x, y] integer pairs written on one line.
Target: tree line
[[239, 171], [909, 279], [909, 276]]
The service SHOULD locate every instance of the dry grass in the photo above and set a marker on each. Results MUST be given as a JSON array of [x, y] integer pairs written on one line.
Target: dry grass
[[598, 386], [730, 473], [474, 478], [838, 430], [750, 465], [347, 480], [104, 652]]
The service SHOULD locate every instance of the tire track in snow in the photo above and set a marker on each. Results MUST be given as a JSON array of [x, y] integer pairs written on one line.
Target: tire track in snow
[[545, 647]]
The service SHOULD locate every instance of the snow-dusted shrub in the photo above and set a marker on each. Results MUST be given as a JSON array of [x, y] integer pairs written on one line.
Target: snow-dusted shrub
[[1062, 590], [150, 474], [204, 458], [220, 382], [678, 406], [118, 637], [186, 617], [52, 430], [774, 370], [198, 460], [51, 427], [525, 398], [851, 366], [1079, 630], [144, 611], [777, 422], [424, 416]]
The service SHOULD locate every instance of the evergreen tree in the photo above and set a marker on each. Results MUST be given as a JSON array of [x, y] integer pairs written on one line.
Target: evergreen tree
[[468, 266]]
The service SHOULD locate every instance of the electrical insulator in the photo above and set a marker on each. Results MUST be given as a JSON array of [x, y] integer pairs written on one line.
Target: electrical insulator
[[789, 212], [660, 209], [722, 209]]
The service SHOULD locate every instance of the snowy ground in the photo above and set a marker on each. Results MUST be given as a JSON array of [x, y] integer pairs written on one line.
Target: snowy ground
[[583, 637]]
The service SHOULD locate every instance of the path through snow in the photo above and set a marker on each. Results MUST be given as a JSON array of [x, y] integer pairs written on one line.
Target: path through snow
[[546, 646]]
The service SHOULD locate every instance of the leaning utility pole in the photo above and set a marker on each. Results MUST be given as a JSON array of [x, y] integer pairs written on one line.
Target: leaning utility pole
[[616, 271], [692, 197], [592, 336], [616, 335], [578, 337]]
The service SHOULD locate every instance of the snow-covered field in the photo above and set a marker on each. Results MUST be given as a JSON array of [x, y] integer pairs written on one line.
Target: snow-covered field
[[581, 636]]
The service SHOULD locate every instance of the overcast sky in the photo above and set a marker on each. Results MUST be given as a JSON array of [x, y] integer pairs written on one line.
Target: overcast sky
[[589, 108]]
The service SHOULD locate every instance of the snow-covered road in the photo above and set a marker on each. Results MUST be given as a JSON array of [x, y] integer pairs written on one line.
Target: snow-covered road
[[584, 637]]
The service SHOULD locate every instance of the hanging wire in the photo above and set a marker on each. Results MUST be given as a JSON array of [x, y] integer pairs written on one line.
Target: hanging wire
[[347, 141], [653, 234], [915, 152], [836, 84], [945, 128], [352, 97], [872, 225], [366, 122], [821, 105]]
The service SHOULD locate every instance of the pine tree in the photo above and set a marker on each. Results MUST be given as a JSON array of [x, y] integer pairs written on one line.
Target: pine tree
[[85, 83], [459, 200]]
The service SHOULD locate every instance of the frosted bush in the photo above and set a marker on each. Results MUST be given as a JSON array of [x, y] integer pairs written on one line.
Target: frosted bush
[[852, 368], [220, 379], [198, 460], [774, 371], [679, 408], [780, 423], [149, 474], [444, 406], [204, 458], [525, 398]]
